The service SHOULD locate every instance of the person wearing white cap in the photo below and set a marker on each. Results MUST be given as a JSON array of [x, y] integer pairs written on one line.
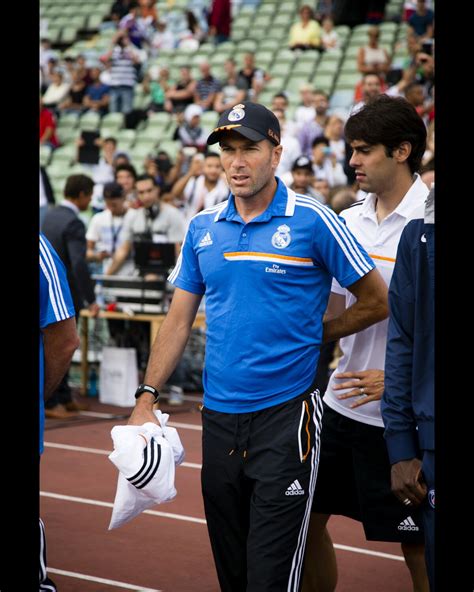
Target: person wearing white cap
[[190, 133]]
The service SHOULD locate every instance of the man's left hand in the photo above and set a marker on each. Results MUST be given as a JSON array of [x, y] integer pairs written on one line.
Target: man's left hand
[[368, 385]]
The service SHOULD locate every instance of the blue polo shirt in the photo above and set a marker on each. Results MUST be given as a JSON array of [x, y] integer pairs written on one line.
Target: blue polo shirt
[[55, 305], [267, 286]]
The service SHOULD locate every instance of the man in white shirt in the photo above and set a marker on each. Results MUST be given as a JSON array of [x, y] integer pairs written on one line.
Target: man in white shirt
[[202, 187], [388, 139], [105, 232], [156, 221], [161, 223]]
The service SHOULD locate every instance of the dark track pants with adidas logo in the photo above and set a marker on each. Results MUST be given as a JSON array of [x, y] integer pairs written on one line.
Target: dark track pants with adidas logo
[[258, 498]]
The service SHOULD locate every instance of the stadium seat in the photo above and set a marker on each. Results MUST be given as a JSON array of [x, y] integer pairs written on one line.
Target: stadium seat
[[347, 81], [69, 120], [171, 147], [115, 120], [89, 121], [45, 154], [323, 81]]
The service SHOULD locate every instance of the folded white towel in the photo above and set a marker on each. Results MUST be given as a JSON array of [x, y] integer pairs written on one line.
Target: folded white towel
[[145, 457]]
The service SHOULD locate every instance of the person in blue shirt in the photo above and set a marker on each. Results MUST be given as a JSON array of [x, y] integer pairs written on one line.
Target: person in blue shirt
[[264, 259], [57, 343], [421, 22], [408, 400]]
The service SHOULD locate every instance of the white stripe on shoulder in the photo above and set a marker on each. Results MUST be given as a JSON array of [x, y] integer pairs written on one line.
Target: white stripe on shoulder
[[55, 289], [52, 296], [177, 267], [290, 204], [340, 232], [332, 217], [343, 239], [212, 209], [49, 262], [222, 207]]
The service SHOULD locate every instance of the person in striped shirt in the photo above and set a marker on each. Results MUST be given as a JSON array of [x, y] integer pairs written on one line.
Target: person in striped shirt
[[264, 259], [58, 341]]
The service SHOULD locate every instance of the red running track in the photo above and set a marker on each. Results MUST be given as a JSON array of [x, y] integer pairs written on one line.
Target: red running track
[[158, 552]]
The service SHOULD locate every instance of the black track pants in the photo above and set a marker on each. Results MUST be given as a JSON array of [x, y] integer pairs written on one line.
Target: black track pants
[[258, 478]]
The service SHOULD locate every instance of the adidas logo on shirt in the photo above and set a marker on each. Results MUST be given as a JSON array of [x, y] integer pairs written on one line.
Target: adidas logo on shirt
[[206, 241], [295, 489], [408, 524]]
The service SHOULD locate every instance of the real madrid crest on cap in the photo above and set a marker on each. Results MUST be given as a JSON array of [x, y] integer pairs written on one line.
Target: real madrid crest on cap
[[237, 113], [281, 238]]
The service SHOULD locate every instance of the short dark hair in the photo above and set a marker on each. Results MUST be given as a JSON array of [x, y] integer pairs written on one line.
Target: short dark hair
[[75, 184], [409, 87], [211, 155], [280, 95], [389, 121], [147, 177], [320, 140], [113, 190], [126, 167]]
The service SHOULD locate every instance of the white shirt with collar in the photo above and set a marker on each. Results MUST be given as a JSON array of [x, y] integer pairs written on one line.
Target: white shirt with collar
[[168, 225], [366, 349], [199, 198]]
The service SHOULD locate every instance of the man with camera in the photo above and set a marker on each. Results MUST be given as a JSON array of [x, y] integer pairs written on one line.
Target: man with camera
[[156, 221]]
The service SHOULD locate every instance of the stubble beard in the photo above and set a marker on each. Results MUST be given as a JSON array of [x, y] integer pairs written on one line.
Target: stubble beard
[[248, 192]]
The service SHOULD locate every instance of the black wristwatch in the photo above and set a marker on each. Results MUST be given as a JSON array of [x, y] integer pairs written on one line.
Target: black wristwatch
[[146, 388]]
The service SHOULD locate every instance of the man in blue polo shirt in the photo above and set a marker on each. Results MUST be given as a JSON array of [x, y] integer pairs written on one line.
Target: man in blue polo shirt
[[264, 259], [58, 341]]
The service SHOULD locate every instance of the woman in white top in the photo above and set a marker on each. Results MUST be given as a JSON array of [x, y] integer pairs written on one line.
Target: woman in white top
[[329, 37], [372, 58]]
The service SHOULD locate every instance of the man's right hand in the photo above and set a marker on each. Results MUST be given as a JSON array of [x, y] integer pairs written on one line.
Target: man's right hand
[[407, 482], [142, 414]]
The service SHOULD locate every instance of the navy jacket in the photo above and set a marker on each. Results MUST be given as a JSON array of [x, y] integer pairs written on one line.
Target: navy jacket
[[407, 404], [67, 233]]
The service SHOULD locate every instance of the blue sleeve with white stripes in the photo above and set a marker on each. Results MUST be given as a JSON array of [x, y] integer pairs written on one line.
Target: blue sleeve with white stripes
[[55, 296], [187, 274], [337, 249]]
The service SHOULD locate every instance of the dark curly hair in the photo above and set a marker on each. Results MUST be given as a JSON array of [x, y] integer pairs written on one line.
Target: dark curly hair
[[389, 121]]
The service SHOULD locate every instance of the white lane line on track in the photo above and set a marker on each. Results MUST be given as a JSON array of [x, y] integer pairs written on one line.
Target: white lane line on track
[[73, 574], [173, 424], [104, 452], [81, 500], [368, 552], [185, 426], [90, 502]]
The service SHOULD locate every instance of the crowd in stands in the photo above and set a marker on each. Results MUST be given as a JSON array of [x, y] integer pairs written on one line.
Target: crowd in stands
[[180, 109]]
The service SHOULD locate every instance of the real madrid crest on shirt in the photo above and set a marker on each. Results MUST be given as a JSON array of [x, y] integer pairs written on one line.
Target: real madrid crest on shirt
[[281, 239], [237, 113]]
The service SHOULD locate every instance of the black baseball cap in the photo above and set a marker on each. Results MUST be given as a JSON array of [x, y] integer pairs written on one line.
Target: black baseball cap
[[302, 162], [251, 120]]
